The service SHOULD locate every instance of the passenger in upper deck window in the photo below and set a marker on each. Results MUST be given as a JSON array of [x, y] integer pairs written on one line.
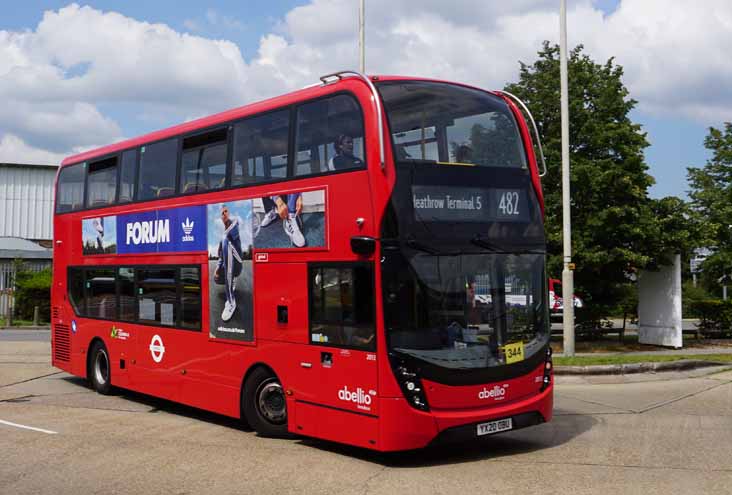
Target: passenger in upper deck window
[[344, 157], [464, 154]]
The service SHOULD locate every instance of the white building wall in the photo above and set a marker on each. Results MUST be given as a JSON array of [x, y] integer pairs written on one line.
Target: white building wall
[[26, 201]]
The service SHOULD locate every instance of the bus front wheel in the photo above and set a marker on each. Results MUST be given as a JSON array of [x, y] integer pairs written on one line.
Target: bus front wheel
[[265, 406], [99, 373]]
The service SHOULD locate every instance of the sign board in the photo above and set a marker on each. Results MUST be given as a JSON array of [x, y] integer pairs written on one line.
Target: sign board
[[659, 306]]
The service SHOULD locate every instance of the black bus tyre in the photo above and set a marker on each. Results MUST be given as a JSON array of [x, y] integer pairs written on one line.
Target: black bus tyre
[[100, 369], [265, 406]]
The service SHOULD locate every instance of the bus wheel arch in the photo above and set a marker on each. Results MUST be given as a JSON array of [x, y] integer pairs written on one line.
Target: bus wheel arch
[[263, 402], [99, 367]]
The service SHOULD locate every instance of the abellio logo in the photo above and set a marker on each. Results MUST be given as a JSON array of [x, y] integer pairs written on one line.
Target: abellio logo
[[497, 392], [187, 229], [359, 397]]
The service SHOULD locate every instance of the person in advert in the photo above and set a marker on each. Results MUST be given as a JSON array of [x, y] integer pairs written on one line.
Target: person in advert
[[287, 207], [230, 261], [98, 225], [344, 157]]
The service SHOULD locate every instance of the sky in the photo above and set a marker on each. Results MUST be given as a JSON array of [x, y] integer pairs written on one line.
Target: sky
[[75, 76]]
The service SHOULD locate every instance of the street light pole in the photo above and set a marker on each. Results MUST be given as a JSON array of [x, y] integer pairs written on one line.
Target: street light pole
[[567, 274], [362, 36]]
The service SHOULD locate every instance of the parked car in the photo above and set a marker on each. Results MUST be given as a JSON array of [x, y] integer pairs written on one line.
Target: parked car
[[556, 303]]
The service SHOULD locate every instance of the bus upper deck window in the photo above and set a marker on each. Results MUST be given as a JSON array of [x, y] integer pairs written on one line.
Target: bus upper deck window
[[329, 136], [102, 182], [260, 148], [70, 191], [203, 164], [157, 169]]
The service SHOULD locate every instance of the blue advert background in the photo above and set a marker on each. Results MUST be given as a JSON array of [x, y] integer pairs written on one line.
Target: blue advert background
[[162, 231]]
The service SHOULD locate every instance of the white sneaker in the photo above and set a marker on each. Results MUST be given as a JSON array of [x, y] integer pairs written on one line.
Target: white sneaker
[[293, 230], [228, 311], [269, 217]]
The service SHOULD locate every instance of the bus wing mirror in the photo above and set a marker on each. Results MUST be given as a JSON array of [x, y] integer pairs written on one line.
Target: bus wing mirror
[[363, 245]]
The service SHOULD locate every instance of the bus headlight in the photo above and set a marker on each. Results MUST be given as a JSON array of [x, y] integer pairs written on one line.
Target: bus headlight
[[548, 365], [411, 386]]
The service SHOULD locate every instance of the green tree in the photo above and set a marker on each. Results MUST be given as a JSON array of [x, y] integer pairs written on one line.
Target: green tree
[[616, 228], [711, 199]]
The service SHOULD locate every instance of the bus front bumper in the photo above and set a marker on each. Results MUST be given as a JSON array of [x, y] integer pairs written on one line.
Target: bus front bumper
[[406, 428]]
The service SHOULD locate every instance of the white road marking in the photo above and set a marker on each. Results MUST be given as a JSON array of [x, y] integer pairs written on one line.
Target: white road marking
[[28, 427]]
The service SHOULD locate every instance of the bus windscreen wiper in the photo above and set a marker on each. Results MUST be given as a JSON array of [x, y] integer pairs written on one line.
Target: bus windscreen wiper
[[423, 247], [480, 242], [416, 161], [494, 248]]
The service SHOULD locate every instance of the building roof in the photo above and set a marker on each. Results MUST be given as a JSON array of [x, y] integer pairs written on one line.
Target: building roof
[[31, 165], [14, 247]]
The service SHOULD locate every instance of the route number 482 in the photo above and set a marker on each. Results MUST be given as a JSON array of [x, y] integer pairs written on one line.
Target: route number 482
[[509, 203]]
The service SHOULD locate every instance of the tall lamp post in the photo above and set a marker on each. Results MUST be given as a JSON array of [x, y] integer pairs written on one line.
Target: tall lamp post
[[567, 274], [362, 36]]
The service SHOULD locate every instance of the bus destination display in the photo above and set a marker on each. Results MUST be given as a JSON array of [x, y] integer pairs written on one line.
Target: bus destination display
[[469, 204]]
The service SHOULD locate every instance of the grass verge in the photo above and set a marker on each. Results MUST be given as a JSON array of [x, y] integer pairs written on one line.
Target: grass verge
[[634, 358], [17, 323]]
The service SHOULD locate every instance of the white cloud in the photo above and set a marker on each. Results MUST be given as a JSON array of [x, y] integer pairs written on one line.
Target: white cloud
[[675, 54], [56, 78], [14, 150]]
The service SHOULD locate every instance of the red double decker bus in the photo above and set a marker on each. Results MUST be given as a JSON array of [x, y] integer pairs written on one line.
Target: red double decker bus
[[361, 261]]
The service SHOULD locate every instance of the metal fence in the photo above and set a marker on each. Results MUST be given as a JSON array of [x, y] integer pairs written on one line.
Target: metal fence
[[7, 280]]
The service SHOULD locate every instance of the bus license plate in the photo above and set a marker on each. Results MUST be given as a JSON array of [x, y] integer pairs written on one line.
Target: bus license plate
[[495, 426]]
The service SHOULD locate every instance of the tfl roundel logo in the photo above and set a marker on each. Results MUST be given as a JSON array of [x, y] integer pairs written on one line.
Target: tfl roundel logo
[[157, 349]]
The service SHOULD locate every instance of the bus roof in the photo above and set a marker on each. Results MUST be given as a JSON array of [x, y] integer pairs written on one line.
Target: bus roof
[[305, 93]]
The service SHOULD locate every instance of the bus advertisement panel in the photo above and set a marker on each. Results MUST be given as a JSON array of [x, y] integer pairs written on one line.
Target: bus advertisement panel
[[230, 270]]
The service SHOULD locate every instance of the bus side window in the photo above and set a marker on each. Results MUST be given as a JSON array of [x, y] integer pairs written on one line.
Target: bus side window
[[128, 170], [329, 136], [127, 298], [101, 293], [75, 289], [260, 148], [70, 190], [156, 295], [102, 183], [157, 170], [342, 305], [203, 163], [190, 302]]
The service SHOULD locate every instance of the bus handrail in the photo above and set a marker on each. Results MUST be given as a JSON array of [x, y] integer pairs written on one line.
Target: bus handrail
[[533, 125], [377, 103]]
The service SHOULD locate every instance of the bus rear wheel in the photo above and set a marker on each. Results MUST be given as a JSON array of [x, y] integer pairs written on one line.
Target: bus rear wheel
[[100, 374], [265, 406]]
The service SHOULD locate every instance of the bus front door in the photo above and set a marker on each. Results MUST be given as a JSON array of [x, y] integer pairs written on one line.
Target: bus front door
[[341, 401]]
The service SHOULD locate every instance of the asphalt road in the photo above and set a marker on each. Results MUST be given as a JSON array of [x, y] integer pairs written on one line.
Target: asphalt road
[[25, 335], [645, 435]]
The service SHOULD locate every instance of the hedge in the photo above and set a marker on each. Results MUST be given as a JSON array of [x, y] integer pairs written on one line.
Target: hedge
[[715, 316], [33, 289]]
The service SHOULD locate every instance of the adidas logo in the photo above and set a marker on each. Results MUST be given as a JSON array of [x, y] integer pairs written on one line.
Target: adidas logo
[[187, 226], [187, 229]]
